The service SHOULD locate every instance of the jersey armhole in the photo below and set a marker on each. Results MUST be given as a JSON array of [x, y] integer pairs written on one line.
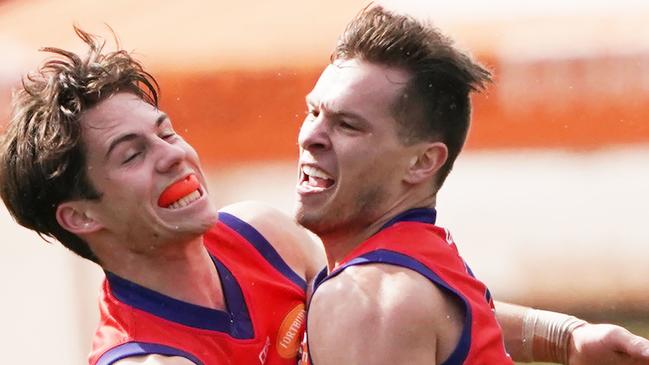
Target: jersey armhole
[[132, 349], [382, 256]]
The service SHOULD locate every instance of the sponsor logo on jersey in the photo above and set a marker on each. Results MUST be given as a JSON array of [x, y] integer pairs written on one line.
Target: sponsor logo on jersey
[[290, 332]]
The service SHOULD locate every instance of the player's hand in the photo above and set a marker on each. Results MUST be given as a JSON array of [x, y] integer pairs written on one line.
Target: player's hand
[[604, 344]]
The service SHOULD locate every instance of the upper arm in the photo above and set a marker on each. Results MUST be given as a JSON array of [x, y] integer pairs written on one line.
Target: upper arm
[[293, 243], [382, 314], [154, 360]]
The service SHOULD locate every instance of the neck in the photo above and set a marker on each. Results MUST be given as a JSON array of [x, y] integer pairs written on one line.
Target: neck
[[339, 243], [183, 271]]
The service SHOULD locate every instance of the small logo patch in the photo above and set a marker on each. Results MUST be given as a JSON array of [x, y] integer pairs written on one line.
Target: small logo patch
[[290, 332], [263, 355]]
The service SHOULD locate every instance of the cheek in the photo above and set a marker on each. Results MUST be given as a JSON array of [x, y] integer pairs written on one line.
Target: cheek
[[360, 159], [133, 186], [384, 167]]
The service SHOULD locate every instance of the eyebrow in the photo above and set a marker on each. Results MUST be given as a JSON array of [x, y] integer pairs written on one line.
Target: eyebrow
[[163, 116], [131, 136], [349, 115], [336, 113]]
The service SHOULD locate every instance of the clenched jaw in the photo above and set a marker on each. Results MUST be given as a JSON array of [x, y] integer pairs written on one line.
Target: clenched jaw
[[181, 193]]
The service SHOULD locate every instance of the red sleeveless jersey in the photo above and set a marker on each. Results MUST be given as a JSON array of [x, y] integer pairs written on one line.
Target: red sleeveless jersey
[[411, 240], [262, 324]]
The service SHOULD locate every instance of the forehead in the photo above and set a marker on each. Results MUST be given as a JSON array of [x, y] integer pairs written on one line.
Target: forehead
[[358, 84], [118, 115], [119, 110]]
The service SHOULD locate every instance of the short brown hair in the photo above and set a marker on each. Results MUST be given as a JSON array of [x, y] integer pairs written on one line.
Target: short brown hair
[[42, 162], [435, 102]]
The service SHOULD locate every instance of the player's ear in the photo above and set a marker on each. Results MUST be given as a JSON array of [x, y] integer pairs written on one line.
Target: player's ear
[[428, 158], [75, 217]]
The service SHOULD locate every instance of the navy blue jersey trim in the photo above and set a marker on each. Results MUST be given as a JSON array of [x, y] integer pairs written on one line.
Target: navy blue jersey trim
[[322, 276], [235, 321], [240, 325], [263, 246], [487, 293], [394, 258], [131, 349], [421, 215]]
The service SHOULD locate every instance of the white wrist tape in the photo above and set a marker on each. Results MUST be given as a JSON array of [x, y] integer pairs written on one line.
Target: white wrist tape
[[546, 335]]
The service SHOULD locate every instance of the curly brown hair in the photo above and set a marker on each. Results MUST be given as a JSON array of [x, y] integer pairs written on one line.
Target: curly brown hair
[[435, 103], [42, 157]]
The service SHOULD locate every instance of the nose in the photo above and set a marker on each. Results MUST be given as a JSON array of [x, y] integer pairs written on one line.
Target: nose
[[314, 135], [170, 156]]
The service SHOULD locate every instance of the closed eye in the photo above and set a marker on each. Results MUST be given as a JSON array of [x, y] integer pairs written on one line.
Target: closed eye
[[348, 126], [169, 136], [131, 157]]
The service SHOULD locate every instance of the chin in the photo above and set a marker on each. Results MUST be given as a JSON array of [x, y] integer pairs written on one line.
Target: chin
[[304, 219], [205, 224], [186, 234], [314, 223], [197, 226]]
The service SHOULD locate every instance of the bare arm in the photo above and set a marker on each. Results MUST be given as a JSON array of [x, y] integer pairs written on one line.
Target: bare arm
[[299, 249], [155, 360], [584, 344], [382, 314], [510, 317]]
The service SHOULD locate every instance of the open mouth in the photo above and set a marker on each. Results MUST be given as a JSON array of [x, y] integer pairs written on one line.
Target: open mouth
[[181, 193], [315, 179]]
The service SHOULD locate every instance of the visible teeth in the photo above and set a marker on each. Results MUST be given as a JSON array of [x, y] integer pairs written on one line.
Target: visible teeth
[[315, 172], [184, 201]]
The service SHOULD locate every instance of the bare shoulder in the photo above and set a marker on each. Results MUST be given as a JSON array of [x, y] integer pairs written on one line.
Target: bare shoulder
[[394, 315], [299, 249], [155, 360], [385, 290]]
